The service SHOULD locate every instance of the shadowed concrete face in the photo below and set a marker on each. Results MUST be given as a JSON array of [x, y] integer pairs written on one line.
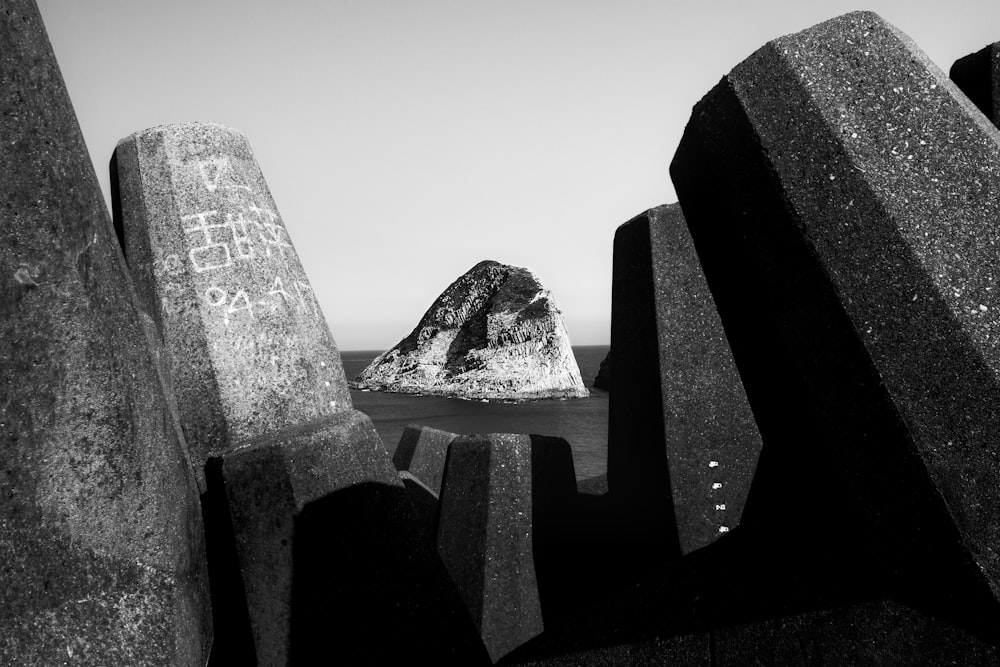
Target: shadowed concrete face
[[369, 590], [249, 349], [101, 547], [851, 253], [683, 443], [978, 76]]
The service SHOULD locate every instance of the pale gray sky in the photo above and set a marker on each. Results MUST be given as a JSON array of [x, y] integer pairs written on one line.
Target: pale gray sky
[[405, 141]]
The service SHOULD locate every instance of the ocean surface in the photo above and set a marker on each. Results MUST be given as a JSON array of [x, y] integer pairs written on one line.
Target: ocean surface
[[583, 422]]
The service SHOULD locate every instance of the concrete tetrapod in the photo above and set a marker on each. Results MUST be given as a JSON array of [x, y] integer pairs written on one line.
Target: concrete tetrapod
[[102, 555], [852, 257], [262, 395], [505, 501], [249, 350], [978, 76]]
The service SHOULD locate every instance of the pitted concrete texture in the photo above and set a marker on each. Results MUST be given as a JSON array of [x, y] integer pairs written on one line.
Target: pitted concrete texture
[[101, 542], [249, 349]]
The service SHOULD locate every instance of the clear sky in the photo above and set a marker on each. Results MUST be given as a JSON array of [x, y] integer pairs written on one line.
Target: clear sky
[[404, 141]]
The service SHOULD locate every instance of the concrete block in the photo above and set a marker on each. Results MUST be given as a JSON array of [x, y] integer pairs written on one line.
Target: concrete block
[[682, 442], [843, 195], [101, 548]]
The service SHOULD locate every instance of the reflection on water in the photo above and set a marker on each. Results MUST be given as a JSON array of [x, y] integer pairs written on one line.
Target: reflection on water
[[581, 421]]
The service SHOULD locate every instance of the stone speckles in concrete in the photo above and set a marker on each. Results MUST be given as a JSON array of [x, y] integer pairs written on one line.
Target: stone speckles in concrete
[[249, 349], [852, 252], [683, 443], [101, 546]]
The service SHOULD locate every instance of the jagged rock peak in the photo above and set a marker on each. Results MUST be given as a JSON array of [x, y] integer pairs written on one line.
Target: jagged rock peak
[[495, 333]]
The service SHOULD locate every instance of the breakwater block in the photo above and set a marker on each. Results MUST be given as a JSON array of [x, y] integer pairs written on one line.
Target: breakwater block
[[249, 349], [872, 633], [978, 76], [683, 444], [851, 257], [326, 542], [101, 545], [422, 450], [505, 501]]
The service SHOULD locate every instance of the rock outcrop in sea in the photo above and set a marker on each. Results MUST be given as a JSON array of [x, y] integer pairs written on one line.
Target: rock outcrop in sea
[[494, 334], [603, 379]]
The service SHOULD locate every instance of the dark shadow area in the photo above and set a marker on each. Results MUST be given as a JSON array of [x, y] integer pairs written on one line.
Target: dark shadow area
[[367, 590], [425, 506], [973, 74], [471, 335], [233, 643], [116, 204], [463, 514], [638, 474], [555, 527]]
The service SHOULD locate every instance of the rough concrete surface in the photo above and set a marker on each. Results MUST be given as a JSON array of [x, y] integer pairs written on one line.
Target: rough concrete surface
[[101, 545]]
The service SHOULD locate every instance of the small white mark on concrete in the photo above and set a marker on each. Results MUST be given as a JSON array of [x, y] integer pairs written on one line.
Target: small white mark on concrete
[[983, 307], [713, 464], [720, 507], [333, 404], [22, 276], [716, 485], [723, 529], [322, 364], [327, 384]]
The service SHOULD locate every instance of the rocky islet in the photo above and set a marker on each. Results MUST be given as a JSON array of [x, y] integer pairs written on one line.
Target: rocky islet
[[495, 334]]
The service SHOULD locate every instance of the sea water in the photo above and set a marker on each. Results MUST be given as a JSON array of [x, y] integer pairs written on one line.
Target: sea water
[[583, 422]]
